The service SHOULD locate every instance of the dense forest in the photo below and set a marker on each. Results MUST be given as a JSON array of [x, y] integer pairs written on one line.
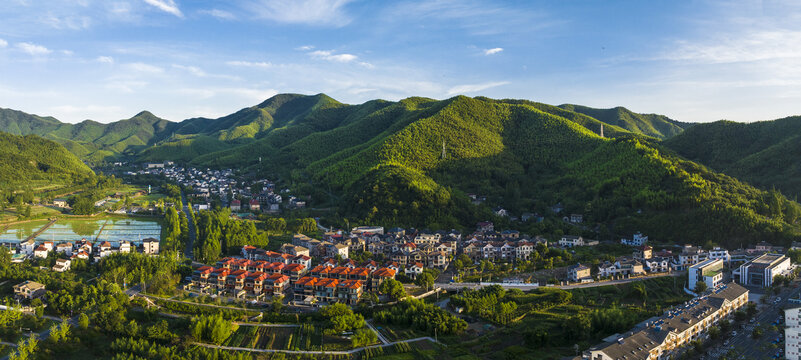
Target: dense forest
[[414, 162], [762, 153], [27, 158], [658, 126]]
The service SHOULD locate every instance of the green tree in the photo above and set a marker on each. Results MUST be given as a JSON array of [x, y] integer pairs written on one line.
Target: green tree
[[341, 318], [424, 280], [700, 287], [393, 288], [83, 321], [363, 337]]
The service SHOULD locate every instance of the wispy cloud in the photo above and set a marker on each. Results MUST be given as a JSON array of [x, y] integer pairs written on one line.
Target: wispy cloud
[[3, 43], [33, 49], [167, 6], [69, 22], [105, 59], [309, 12], [260, 64], [475, 16], [471, 88], [194, 70], [753, 46], [330, 56], [145, 68], [493, 51], [304, 48], [220, 14]]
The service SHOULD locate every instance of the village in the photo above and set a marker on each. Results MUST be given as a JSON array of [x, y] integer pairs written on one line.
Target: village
[[371, 265]]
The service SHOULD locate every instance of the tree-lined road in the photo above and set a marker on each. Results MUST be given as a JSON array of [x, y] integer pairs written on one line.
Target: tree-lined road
[[191, 243]]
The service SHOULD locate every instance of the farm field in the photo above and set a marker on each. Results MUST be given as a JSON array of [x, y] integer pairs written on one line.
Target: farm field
[[111, 229], [306, 337], [262, 337]]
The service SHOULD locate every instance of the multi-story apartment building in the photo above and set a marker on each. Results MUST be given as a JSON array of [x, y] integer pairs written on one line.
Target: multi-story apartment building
[[792, 334], [679, 326]]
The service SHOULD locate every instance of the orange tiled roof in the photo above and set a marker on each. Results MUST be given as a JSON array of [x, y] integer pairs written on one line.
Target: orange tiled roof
[[351, 284], [360, 272], [307, 281], [384, 272], [328, 282], [277, 278], [294, 267]]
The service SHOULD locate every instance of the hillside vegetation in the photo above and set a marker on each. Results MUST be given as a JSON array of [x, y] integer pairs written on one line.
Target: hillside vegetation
[[412, 162], [27, 158], [385, 162], [763, 153], [658, 126]]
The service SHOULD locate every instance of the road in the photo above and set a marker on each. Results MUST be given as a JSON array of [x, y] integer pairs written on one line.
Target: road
[[457, 286], [309, 352], [749, 348], [191, 243]]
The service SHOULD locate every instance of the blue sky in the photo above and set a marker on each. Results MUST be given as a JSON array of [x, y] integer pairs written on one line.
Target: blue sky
[[109, 59]]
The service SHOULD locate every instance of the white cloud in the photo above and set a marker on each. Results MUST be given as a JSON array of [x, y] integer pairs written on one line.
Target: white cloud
[[471, 88], [329, 55], [3, 43], [261, 64], [493, 51], [194, 70], [145, 68], [310, 12], [167, 6], [304, 48], [67, 52], [33, 49], [220, 14], [758, 45], [105, 59]]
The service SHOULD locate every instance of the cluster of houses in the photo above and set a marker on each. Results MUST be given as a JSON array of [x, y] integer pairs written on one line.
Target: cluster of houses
[[260, 274], [82, 249]]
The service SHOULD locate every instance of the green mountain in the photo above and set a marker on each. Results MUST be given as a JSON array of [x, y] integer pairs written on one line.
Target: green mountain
[[91, 141], [658, 126], [763, 153], [384, 163], [27, 158], [412, 162], [282, 116]]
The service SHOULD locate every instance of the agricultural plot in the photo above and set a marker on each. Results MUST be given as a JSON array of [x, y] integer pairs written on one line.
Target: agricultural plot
[[262, 337], [112, 230], [15, 233]]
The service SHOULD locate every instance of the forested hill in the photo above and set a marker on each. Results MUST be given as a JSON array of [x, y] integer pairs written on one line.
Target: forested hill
[[384, 162], [30, 157], [90, 140], [763, 153], [658, 126], [412, 162]]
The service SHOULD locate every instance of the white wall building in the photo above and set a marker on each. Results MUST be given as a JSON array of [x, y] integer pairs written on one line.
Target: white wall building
[[710, 272], [722, 254], [792, 334], [761, 271]]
